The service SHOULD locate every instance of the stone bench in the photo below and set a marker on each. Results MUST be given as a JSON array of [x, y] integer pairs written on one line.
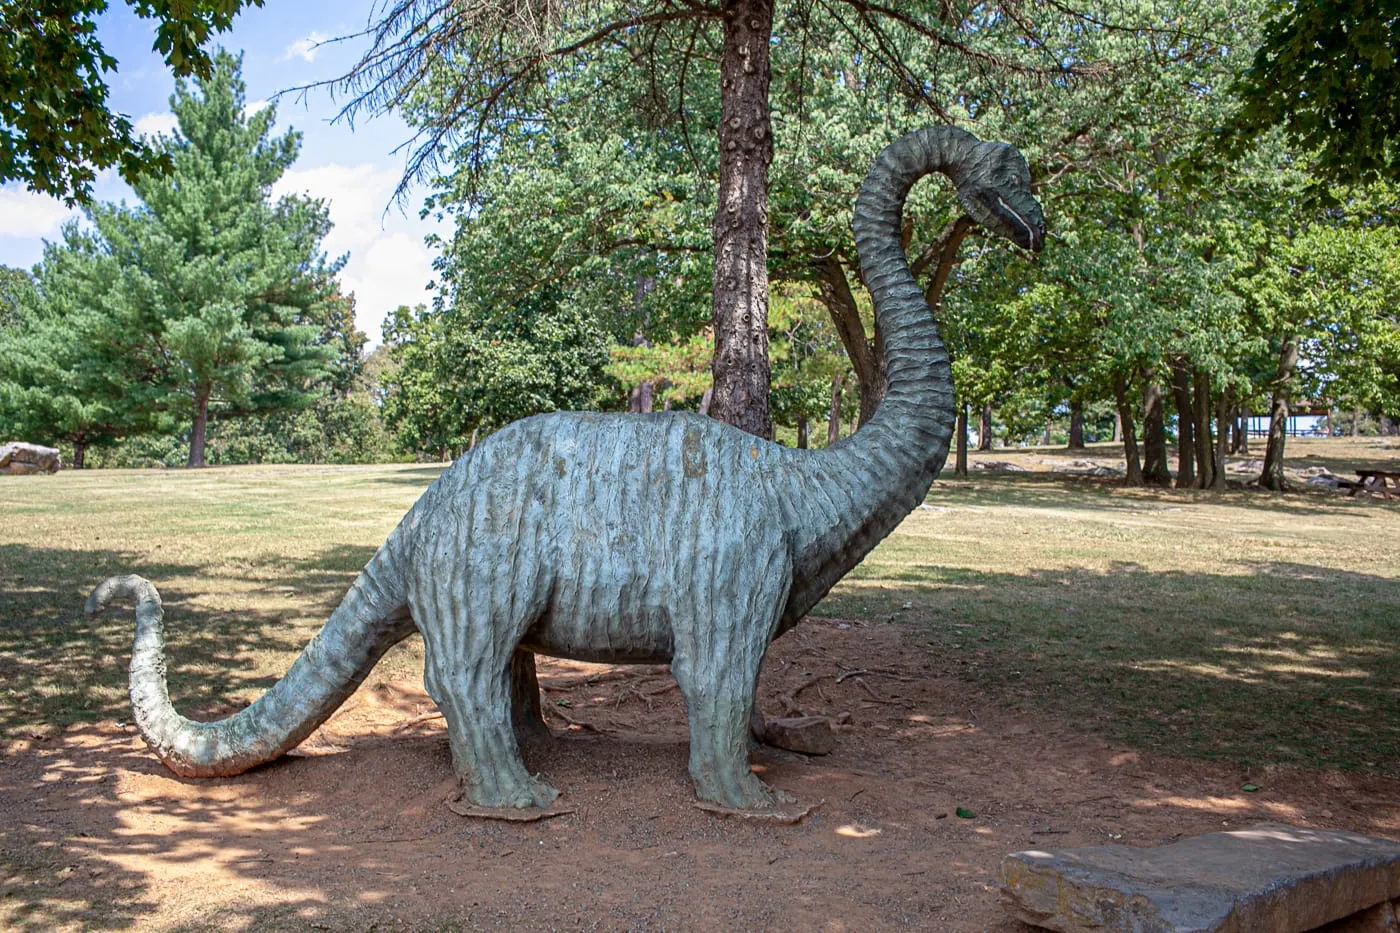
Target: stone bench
[[1269, 878]]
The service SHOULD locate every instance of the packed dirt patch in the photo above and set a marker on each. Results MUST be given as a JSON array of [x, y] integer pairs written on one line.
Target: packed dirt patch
[[930, 785]]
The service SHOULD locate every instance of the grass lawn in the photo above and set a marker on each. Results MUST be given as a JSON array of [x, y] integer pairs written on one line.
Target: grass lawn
[[1242, 625]]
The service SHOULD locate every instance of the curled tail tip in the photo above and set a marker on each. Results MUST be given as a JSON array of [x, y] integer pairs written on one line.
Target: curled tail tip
[[115, 587]]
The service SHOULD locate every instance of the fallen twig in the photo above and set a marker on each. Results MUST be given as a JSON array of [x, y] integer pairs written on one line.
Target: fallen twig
[[416, 720], [789, 699]]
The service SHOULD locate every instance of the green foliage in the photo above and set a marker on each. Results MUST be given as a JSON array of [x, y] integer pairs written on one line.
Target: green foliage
[[56, 130], [205, 300], [469, 371], [1327, 73]]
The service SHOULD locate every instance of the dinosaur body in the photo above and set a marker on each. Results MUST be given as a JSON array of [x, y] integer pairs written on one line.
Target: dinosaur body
[[623, 538]]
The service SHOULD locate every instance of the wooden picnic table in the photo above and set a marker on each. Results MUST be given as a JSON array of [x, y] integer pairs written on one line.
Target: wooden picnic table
[[1381, 482]]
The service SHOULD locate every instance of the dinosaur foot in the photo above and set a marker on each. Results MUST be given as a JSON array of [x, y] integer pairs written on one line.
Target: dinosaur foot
[[506, 814], [787, 814]]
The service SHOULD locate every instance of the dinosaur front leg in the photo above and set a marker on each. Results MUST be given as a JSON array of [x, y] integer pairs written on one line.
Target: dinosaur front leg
[[716, 663], [528, 721], [466, 667]]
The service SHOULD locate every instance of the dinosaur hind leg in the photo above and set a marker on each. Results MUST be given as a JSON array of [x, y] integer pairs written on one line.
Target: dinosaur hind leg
[[468, 656], [718, 652]]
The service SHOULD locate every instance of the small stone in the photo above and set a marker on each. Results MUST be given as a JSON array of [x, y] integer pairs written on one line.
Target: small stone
[[1284, 879], [810, 735]]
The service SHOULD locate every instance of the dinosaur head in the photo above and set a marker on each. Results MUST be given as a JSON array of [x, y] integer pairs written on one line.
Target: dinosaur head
[[995, 190]]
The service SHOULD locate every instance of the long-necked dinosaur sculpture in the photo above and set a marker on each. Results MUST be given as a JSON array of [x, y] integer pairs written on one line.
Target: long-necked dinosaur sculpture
[[624, 538]]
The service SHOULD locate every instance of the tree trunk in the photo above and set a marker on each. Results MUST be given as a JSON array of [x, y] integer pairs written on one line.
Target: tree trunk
[[1331, 430], [1201, 413], [1272, 475], [1355, 422], [801, 432], [866, 356], [643, 395], [1125, 419], [1076, 424], [833, 419], [79, 454], [200, 426], [960, 464], [740, 367], [1222, 436], [1244, 431], [705, 398], [984, 428], [1117, 427], [1155, 471], [1185, 426]]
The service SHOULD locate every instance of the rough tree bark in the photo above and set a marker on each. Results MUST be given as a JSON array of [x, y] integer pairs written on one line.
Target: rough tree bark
[[801, 432], [1201, 413], [833, 418], [1223, 407], [1125, 420], [200, 426], [1271, 477], [984, 428], [960, 432], [1185, 426], [1076, 425], [740, 366], [1155, 471]]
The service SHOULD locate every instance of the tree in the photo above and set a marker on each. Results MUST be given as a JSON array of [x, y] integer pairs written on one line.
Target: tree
[[56, 130], [474, 71], [16, 290], [468, 371], [210, 294], [1327, 73], [61, 377]]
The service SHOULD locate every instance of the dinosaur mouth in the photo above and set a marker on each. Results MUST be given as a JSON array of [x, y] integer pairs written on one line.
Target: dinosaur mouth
[[1024, 232]]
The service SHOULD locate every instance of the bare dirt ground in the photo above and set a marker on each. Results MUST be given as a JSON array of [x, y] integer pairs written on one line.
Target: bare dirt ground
[[353, 832]]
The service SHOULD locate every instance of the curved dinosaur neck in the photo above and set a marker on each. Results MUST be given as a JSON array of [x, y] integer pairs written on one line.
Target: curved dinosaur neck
[[861, 489]]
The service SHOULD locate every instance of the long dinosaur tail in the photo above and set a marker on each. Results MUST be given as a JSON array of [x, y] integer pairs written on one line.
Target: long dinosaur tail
[[369, 620]]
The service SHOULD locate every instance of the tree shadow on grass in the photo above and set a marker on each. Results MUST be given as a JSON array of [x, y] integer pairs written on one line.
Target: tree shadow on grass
[[59, 667], [420, 476], [1277, 663], [1091, 493]]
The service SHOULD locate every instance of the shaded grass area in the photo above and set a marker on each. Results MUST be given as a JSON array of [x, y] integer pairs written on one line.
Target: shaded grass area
[[1239, 626], [249, 564]]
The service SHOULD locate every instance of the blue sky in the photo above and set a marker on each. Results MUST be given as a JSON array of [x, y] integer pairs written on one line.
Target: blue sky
[[355, 170]]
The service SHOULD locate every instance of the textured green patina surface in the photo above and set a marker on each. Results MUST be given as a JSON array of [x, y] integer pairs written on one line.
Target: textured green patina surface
[[662, 537]]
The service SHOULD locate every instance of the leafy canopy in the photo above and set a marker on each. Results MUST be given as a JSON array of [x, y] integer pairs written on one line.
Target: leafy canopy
[[56, 127]]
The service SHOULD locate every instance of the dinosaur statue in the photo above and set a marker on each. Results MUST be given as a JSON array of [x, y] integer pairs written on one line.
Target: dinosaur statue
[[665, 537]]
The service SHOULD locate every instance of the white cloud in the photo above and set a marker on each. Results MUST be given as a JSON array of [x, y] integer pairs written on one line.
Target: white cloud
[[23, 213], [305, 48], [255, 107], [154, 124], [388, 264]]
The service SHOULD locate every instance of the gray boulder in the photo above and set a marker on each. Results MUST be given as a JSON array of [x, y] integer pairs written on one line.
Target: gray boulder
[[17, 458]]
